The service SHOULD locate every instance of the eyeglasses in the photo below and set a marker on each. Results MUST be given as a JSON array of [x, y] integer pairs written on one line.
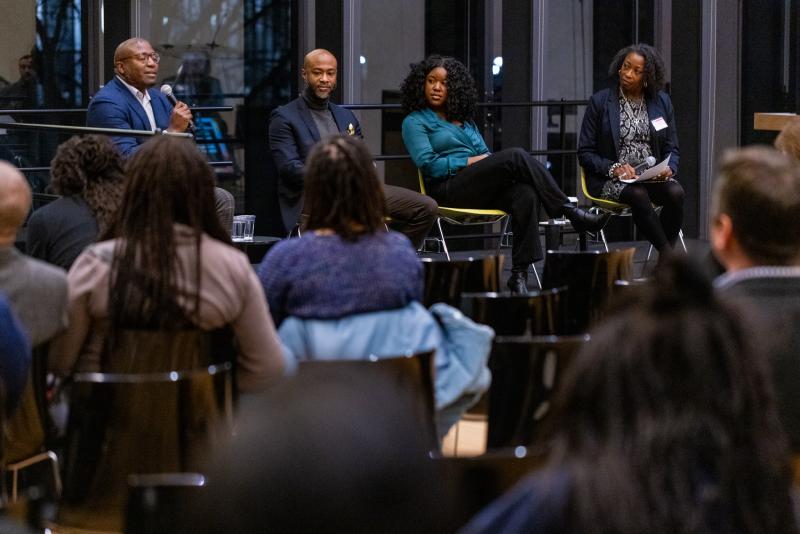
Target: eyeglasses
[[143, 57]]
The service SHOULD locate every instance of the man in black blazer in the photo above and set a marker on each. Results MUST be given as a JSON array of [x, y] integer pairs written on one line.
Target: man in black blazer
[[296, 126], [755, 235]]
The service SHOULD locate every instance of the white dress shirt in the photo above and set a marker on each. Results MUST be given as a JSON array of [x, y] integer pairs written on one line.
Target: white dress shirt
[[144, 100]]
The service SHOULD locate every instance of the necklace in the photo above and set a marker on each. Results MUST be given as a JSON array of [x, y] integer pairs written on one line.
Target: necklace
[[635, 109]]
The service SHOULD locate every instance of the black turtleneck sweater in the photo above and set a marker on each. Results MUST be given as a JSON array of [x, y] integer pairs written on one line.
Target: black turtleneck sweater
[[323, 118]]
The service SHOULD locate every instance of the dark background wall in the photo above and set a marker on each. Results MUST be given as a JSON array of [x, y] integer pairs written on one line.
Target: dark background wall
[[685, 93]]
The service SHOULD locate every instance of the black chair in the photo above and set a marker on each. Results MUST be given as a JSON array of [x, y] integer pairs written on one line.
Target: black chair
[[156, 502], [28, 437], [534, 314], [477, 481], [446, 280], [590, 278], [122, 424], [410, 376], [526, 371]]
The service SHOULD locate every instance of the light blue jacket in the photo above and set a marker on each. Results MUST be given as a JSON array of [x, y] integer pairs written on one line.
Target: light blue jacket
[[438, 147], [462, 348]]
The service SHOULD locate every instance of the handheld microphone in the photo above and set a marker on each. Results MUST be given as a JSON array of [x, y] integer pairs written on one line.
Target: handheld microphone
[[643, 166], [166, 90]]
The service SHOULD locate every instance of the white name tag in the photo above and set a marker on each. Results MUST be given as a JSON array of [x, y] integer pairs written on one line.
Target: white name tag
[[659, 123]]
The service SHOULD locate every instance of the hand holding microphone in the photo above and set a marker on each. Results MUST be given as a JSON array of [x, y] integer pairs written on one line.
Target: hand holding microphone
[[646, 164], [181, 118]]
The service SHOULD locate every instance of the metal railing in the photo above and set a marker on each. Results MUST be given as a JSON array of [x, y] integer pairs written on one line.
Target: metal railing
[[561, 104], [562, 133]]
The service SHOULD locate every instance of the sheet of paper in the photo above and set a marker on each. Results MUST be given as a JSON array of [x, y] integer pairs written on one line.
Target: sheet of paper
[[650, 173]]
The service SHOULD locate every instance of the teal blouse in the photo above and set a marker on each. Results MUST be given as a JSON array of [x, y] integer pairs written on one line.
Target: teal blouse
[[440, 148]]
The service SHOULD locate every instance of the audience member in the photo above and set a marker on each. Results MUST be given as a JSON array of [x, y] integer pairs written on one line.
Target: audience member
[[129, 101], [26, 92], [673, 430], [788, 140], [348, 288], [622, 127], [36, 290], [169, 266], [440, 134], [323, 453], [755, 234], [295, 127], [87, 171], [15, 356]]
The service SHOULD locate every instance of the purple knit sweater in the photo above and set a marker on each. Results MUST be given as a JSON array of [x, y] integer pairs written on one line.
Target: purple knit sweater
[[326, 277]]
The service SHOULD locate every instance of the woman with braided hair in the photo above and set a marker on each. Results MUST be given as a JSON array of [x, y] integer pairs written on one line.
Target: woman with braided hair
[[87, 172]]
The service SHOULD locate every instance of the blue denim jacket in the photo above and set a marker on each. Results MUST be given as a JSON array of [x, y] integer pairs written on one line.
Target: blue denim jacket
[[462, 347]]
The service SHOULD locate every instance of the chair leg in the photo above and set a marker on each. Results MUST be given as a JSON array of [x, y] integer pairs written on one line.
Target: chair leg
[[47, 456], [503, 227], [536, 275], [603, 237], [441, 234]]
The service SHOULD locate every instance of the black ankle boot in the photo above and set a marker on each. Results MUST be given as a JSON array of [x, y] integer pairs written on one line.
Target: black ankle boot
[[584, 221], [517, 282]]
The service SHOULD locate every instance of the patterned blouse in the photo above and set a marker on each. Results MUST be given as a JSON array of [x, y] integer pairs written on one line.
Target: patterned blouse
[[634, 140]]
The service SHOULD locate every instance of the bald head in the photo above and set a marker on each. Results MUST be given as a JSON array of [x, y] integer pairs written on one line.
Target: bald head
[[319, 72], [15, 202], [129, 47], [316, 55]]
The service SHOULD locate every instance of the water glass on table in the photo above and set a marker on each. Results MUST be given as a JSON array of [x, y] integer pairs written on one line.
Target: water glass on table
[[243, 227]]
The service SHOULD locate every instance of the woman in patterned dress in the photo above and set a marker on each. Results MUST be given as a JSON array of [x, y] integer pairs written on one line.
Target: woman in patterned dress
[[625, 125]]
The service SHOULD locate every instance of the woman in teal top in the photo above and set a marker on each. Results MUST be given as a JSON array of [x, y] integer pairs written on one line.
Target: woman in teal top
[[440, 135]]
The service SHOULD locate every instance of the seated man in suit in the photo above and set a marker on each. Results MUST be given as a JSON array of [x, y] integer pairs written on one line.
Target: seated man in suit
[[755, 235], [296, 126], [129, 101]]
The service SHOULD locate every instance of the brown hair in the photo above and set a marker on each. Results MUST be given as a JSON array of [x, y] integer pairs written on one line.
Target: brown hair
[[788, 140], [90, 167], [759, 189], [342, 191]]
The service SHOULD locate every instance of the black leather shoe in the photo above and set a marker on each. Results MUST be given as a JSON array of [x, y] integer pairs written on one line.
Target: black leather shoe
[[517, 282], [584, 221]]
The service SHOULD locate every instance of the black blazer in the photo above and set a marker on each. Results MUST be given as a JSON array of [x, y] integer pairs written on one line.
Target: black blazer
[[598, 145], [292, 133], [773, 306]]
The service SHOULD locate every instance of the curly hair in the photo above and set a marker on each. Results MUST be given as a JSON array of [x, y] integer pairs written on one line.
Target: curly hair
[[461, 91], [654, 76], [342, 191], [90, 167]]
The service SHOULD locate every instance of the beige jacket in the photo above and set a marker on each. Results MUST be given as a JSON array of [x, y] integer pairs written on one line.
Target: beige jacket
[[230, 294]]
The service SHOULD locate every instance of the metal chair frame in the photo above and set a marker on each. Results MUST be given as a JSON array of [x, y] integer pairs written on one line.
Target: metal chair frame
[[457, 216], [620, 210]]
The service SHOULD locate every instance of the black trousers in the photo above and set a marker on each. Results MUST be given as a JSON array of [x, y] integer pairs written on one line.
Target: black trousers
[[661, 231], [513, 181]]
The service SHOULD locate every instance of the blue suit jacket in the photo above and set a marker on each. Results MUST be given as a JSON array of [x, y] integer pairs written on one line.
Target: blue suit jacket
[[115, 107], [292, 133], [598, 145]]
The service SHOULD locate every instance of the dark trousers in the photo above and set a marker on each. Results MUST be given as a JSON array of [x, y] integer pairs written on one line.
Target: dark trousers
[[661, 231], [512, 181], [412, 214]]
